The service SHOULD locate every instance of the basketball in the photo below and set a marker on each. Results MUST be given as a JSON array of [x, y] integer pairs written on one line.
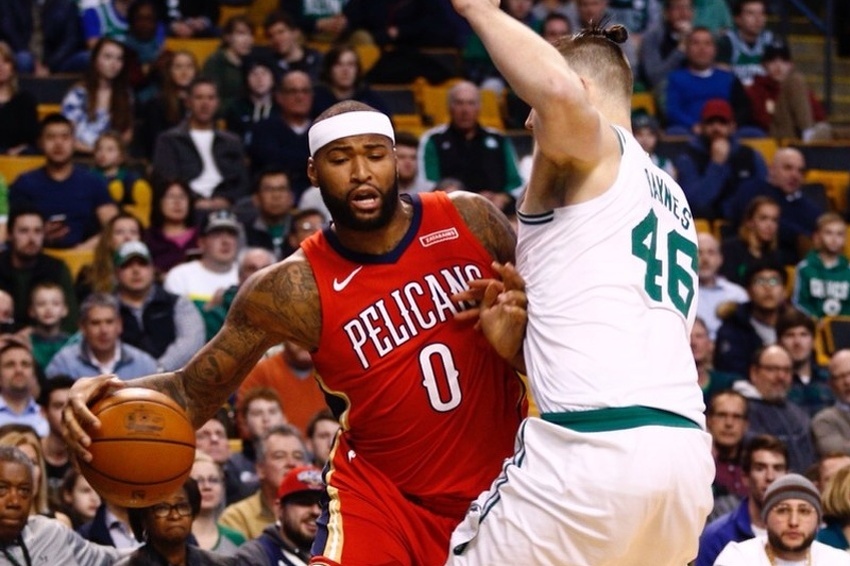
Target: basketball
[[144, 449]]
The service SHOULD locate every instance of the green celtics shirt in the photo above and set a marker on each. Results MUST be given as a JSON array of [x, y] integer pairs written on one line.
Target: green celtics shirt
[[820, 290]]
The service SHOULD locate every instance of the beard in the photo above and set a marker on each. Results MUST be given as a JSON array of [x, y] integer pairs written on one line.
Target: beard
[[296, 536], [343, 216], [776, 542]]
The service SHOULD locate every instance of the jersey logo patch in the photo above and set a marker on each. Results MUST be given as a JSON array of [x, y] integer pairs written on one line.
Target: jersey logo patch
[[340, 285], [439, 236]]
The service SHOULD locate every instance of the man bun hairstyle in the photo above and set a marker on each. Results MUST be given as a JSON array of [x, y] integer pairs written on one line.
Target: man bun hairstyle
[[595, 52], [616, 33]]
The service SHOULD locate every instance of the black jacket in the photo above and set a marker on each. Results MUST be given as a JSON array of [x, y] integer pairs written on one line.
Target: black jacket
[[736, 342], [19, 284], [269, 549], [176, 157], [157, 331]]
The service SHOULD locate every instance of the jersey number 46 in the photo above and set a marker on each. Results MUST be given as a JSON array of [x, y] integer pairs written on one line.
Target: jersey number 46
[[678, 280]]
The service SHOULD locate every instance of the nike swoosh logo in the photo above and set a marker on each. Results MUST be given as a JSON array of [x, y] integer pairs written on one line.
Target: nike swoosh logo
[[340, 285]]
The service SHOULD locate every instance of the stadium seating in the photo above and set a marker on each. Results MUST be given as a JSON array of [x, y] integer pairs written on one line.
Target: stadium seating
[[201, 48], [645, 101], [433, 100], [832, 334], [368, 54], [46, 109], [835, 183], [765, 146], [48, 90], [703, 226], [74, 259], [11, 166]]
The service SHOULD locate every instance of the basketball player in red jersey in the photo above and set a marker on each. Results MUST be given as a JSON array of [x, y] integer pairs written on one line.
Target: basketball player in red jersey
[[428, 409]]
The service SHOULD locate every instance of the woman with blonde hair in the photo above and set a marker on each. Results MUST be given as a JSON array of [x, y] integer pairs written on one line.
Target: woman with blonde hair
[[18, 108], [757, 240], [208, 532], [25, 439], [99, 276], [836, 511]]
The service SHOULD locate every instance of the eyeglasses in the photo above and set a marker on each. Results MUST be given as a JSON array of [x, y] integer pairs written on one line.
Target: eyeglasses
[[772, 281], [297, 90], [803, 510], [211, 480], [162, 510]]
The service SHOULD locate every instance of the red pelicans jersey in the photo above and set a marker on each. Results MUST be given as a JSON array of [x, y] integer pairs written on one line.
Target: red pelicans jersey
[[422, 397]]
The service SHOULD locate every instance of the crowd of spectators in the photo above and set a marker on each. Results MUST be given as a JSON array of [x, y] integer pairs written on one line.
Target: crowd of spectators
[[180, 178]]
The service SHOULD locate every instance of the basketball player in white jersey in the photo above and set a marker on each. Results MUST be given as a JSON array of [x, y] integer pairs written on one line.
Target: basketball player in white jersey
[[618, 469]]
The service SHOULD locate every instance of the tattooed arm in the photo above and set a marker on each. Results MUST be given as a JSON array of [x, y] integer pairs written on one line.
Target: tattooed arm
[[488, 224], [502, 305], [278, 303]]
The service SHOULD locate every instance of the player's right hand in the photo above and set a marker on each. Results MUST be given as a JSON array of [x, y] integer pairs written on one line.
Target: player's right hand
[[76, 415]]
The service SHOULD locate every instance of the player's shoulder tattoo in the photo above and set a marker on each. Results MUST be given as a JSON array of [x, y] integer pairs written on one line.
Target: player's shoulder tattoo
[[286, 296], [488, 224]]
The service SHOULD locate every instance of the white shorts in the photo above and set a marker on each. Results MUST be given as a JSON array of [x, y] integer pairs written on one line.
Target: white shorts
[[617, 498]]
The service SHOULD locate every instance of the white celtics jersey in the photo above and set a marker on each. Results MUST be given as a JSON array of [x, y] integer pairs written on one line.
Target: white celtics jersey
[[612, 293]]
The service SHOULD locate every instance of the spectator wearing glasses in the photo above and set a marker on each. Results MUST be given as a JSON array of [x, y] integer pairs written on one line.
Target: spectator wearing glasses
[[770, 411], [752, 324], [792, 513], [281, 139], [165, 529], [764, 461]]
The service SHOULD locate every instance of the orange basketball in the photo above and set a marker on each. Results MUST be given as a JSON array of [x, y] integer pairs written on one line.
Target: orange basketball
[[144, 449]]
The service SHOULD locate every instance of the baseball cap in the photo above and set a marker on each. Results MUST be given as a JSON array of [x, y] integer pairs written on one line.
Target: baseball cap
[[716, 108], [221, 220], [301, 480], [776, 50], [791, 486], [131, 249]]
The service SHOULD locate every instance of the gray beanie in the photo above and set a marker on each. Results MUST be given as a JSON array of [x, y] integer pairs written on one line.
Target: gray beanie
[[791, 486]]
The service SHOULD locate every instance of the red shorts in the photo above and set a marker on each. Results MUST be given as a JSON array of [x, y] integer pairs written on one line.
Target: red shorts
[[368, 522]]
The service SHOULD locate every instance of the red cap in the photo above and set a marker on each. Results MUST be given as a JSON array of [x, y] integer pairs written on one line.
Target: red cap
[[301, 479], [716, 108]]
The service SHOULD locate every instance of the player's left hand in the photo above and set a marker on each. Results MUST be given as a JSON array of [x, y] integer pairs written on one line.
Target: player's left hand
[[509, 288], [501, 310]]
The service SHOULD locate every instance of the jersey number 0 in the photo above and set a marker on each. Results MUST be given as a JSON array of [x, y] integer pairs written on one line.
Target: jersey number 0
[[440, 354], [680, 278]]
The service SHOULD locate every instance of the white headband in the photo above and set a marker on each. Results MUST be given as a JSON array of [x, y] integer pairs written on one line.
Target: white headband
[[349, 124]]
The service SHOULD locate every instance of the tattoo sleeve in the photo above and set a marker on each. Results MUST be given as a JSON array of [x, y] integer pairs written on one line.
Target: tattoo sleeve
[[277, 305], [488, 224]]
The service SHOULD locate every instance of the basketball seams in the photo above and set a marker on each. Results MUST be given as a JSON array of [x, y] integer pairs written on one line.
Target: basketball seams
[[144, 449]]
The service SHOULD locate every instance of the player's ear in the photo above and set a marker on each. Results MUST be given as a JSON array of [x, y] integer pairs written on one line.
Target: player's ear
[[311, 172]]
